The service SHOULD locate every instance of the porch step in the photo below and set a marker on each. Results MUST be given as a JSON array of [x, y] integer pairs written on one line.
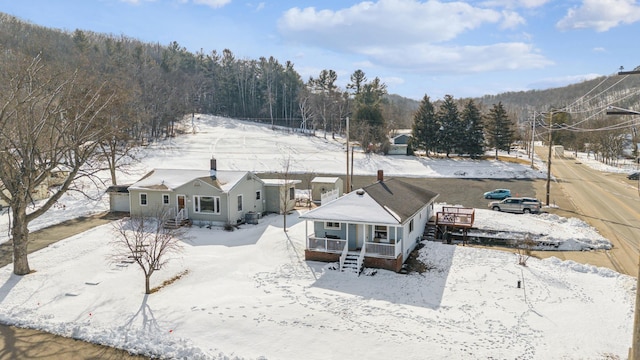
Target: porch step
[[429, 232], [174, 224], [351, 263]]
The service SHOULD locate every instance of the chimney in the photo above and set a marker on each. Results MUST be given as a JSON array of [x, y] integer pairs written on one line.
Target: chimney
[[213, 168], [380, 176]]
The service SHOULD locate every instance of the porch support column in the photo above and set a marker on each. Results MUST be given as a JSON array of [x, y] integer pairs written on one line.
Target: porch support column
[[347, 234], [306, 234]]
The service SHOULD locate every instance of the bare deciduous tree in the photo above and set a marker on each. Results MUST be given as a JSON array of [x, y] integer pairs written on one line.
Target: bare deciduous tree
[[524, 248], [147, 242], [50, 125]]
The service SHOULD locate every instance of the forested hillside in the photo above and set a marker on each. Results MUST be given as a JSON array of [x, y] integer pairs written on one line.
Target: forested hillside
[[156, 84]]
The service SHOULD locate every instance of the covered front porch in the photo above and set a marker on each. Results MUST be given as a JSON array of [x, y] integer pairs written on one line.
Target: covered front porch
[[370, 245]]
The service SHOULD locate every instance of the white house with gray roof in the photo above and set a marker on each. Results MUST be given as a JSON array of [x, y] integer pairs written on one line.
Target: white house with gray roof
[[376, 226]]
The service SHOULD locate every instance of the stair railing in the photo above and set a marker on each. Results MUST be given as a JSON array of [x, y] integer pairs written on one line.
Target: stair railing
[[361, 257], [343, 256]]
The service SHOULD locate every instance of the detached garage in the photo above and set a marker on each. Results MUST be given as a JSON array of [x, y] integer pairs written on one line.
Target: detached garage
[[119, 198]]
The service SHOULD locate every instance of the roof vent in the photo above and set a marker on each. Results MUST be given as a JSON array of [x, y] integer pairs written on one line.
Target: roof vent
[[360, 192]]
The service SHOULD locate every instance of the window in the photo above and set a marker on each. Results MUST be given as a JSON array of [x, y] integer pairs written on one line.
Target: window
[[411, 225], [206, 204], [380, 232], [165, 199], [292, 193], [143, 199], [258, 194], [332, 225], [239, 202]]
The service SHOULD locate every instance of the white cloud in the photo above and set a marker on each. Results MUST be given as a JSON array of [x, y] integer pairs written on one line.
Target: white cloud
[[463, 59], [405, 34], [600, 15], [599, 50], [511, 20], [212, 3], [511, 4], [562, 81], [384, 22]]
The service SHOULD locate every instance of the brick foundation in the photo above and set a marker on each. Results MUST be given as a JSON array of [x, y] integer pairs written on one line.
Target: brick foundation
[[369, 262]]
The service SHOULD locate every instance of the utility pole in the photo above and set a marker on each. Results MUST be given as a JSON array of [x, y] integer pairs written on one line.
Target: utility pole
[[549, 158], [348, 190], [533, 135]]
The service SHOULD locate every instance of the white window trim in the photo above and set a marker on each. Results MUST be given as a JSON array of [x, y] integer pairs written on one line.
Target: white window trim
[[216, 202], [146, 199], [327, 227], [167, 198], [240, 203]]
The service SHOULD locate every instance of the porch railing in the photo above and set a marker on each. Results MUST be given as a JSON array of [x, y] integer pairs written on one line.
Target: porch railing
[[372, 249], [326, 244], [381, 249]]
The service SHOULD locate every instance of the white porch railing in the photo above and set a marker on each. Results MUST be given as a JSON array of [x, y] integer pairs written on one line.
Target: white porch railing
[[326, 244], [181, 215], [381, 249], [361, 258], [328, 196], [343, 256], [338, 246]]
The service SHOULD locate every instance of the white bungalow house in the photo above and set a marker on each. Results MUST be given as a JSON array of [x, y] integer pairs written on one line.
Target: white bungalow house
[[376, 226], [208, 196]]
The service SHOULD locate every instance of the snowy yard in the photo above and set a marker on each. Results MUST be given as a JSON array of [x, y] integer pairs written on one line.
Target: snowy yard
[[249, 294]]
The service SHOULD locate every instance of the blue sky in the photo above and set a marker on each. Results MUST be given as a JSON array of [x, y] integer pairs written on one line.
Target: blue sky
[[461, 48]]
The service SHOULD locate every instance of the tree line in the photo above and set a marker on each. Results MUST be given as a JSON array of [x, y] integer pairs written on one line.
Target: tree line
[[461, 128]]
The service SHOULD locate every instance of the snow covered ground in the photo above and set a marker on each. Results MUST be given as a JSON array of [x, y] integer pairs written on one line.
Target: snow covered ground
[[249, 294]]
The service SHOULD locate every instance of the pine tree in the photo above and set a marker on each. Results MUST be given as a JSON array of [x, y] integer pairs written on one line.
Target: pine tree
[[473, 130], [451, 131], [425, 127], [499, 132]]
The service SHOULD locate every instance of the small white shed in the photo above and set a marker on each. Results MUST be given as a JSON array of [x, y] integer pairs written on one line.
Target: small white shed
[[119, 198], [321, 185]]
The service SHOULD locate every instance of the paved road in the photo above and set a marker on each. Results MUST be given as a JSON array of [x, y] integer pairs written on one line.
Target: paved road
[[609, 202]]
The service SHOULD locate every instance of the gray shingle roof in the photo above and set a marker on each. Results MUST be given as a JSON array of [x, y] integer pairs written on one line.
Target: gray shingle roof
[[400, 197]]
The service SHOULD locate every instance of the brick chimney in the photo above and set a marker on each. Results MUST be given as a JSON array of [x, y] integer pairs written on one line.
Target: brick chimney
[[380, 175], [213, 170]]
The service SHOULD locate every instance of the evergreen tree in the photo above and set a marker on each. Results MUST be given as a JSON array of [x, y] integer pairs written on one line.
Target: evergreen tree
[[370, 125], [499, 132], [425, 127], [473, 130], [450, 131]]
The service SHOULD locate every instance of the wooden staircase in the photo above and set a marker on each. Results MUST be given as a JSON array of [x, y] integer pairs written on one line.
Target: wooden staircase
[[174, 223], [351, 263]]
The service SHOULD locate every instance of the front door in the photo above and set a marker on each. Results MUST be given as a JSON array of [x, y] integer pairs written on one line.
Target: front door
[[360, 236], [181, 204]]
